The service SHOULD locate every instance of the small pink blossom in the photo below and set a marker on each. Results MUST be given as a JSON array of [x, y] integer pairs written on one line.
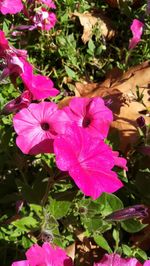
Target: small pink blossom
[[119, 161], [88, 160], [47, 255], [3, 43], [44, 20], [10, 6], [17, 104], [40, 86], [16, 65], [116, 260], [91, 114], [13, 64], [35, 127], [137, 30]]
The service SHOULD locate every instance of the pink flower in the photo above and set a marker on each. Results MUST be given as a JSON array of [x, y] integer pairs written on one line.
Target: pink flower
[[116, 260], [17, 104], [90, 114], [16, 64], [88, 160], [13, 64], [35, 127], [46, 255], [44, 20], [137, 30], [3, 43], [10, 6], [40, 86]]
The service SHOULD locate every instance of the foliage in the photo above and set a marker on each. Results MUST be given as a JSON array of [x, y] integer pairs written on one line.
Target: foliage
[[38, 202]]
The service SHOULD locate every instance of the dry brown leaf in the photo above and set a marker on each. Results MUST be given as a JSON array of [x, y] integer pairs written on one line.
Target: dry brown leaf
[[89, 20], [122, 92]]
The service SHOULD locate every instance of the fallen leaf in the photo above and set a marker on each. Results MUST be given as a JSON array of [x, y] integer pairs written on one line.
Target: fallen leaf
[[89, 20], [122, 91]]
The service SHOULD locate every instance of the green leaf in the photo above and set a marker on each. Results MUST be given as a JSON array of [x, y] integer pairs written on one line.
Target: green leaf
[[70, 72], [26, 223], [58, 208], [109, 203], [141, 254], [37, 209], [102, 242], [127, 250], [116, 236], [132, 226], [95, 224], [91, 47]]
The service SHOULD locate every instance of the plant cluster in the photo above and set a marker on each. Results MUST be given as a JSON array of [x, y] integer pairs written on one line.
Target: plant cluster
[[56, 183]]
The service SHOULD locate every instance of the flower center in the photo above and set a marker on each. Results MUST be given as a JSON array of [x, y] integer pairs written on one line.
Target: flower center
[[45, 126], [86, 121]]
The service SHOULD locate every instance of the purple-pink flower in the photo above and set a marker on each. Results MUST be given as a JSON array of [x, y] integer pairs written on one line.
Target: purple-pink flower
[[47, 255], [35, 127], [40, 86], [13, 58], [137, 30], [91, 114], [44, 19], [17, 104], [16, 65], [116, 260], [10, 6], [88, 160]]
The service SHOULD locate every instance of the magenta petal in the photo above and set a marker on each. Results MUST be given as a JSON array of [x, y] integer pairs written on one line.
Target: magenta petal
[[120, 161], [90, 114], [40, 86], [137, 30], [3, 41], [38, 144], [47, 255], [21, 263], [94, 183], [10, 6], [116, 260], [146, 263], [89, 161], [65, 156], [35, 127]]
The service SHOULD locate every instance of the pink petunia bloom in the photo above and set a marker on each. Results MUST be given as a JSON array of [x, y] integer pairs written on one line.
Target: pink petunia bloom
[[88, 160], [44, 20], [91, 114], [13, 64], [35, 127], [17, 104], [137, 30], [47, 255], [116, 260], [16, 65], [40, 86], [10, 6]]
